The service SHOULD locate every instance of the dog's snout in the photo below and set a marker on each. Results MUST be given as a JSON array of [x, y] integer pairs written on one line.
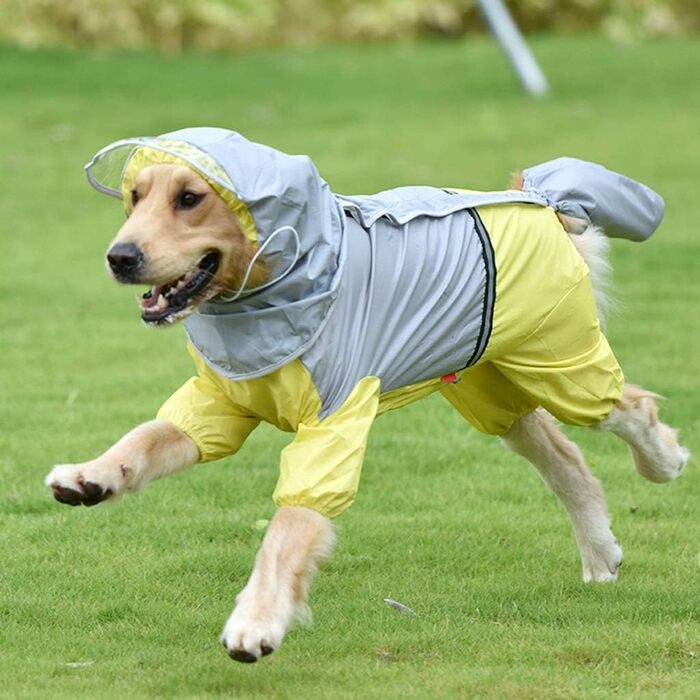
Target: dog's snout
[[124, 259]]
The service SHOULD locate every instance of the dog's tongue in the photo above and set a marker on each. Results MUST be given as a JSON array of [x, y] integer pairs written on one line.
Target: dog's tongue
[[150, 298]]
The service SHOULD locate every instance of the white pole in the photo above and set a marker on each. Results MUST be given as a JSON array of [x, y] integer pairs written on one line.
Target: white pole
[[511, 40]]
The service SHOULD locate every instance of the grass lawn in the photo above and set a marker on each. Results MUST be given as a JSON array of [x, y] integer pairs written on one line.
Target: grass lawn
[[446, 522]]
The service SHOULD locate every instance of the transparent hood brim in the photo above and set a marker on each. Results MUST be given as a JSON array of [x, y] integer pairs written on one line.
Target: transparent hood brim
[[109, 168], [105, 172]]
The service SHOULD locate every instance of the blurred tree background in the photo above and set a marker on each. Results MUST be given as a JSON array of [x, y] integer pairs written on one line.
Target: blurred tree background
[[233, 25]]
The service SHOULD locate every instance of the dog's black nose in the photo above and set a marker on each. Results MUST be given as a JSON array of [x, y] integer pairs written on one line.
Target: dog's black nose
[[124, 258]]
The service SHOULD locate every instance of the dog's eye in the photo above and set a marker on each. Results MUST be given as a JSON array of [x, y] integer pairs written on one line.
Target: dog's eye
[[189, 200], [134, 198]]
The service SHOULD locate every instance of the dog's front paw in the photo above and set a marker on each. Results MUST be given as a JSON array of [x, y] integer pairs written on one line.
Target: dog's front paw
[[86, 484], [247, 638]]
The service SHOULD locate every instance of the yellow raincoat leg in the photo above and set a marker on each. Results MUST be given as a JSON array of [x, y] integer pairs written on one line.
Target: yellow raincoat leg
[[489, 401], [320, 469], [546, 348]]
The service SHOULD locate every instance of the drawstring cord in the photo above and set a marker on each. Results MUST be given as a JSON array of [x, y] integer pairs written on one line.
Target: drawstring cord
[[258, 253]]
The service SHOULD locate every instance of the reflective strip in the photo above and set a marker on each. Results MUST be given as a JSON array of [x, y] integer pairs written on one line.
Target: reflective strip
[[489, 288]]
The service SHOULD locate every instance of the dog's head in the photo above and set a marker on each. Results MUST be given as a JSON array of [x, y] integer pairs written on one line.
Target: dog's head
[[182, 240]]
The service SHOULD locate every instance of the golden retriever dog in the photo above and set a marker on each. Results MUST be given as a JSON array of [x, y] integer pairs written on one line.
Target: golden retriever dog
[[183, 241]]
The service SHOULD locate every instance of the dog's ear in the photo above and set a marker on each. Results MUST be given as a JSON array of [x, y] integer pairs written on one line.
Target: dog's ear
[[516, 180]]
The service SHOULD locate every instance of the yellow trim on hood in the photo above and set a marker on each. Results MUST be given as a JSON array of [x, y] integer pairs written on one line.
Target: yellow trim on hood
[[144, 156]]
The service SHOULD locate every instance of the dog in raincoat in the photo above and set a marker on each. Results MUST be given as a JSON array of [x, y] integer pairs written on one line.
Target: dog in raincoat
[[318, 312]]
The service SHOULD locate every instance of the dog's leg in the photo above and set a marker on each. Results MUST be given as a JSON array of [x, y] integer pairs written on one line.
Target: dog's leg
[[148, 452], [296, 542], [654, 446], [562, 466]]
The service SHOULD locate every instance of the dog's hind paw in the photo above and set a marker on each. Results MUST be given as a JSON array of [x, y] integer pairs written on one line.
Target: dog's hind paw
[[603, 565], [683, 458]]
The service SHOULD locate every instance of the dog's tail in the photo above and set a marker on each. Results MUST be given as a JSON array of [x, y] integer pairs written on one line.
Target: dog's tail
[[594, 247]]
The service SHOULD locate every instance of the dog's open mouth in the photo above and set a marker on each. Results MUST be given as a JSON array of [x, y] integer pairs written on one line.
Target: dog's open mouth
[[167, 303]]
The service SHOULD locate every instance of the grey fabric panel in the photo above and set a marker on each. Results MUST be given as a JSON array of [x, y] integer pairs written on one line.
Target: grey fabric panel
[[403, 204], [622, 207], [410, 306], [245, 345]]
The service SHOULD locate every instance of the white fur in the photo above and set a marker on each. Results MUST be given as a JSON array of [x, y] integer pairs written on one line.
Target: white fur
[[594, 247], [654, 447], [562, 466], [149, 451], [297, 541], [109, 476], [254, 628]]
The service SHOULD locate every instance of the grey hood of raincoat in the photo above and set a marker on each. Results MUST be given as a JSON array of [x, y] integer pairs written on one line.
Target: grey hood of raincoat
[[299, 225]]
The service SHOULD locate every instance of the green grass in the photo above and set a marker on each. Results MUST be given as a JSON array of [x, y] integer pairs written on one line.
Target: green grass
[[446, 522]]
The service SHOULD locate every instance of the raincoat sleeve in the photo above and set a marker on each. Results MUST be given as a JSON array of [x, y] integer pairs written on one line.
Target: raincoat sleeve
[[202, 410], [320, 469]]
